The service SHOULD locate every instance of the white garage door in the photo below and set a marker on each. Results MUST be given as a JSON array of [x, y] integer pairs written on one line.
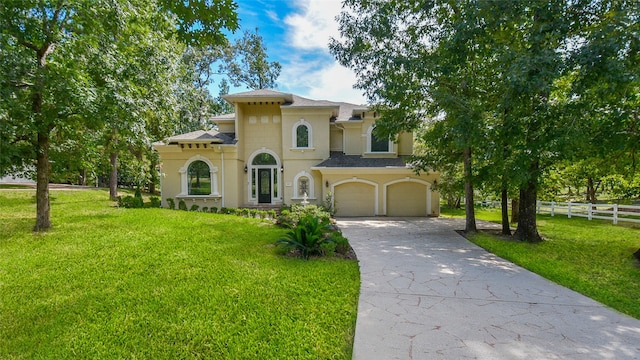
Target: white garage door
[[354, 199], [407, 199]]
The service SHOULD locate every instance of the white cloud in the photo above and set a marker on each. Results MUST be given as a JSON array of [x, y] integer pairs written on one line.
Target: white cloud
[[328, 81], [272, 15], [309, 31], [315, 24]]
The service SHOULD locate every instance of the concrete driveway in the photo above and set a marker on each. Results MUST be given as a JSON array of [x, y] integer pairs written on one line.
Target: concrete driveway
[[428, 293]]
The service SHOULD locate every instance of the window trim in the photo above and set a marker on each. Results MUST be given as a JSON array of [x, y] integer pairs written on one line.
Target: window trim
[[294, 135], [184, 178], [370, 142]]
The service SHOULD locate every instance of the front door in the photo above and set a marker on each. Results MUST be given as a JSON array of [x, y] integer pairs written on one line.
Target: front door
[[264, 186]]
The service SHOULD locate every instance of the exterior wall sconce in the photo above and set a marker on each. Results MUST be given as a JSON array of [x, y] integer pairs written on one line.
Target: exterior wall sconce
[[245, 168], [326, 183], [435, 182], [281, 168]]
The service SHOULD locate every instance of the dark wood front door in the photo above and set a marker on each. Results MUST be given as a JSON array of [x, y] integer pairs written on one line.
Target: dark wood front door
[[264, 186]]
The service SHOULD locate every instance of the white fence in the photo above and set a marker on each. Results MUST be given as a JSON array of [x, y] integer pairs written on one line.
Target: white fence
[[613, 212]]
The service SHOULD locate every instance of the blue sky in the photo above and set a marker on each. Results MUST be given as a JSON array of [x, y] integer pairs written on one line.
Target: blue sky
[[296, 34]]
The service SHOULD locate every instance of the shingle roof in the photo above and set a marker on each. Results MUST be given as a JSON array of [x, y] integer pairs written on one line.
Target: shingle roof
[[344, 111], [338, 159], [203, 136], [231, 116], [258, 94]]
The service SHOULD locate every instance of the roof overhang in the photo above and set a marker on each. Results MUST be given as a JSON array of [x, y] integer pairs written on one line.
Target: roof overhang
[[364, 170], [279, 98]]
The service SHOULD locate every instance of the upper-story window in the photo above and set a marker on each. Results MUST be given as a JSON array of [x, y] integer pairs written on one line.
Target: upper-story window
[[199, 178], [376, 144], [302, 134]]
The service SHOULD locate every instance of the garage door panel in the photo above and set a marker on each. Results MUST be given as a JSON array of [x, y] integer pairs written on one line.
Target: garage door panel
[[354, 199], [407, 199]]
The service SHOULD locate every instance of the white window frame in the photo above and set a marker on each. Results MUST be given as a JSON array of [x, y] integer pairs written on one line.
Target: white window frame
[[294, 135], [184, 178], [370, 141]]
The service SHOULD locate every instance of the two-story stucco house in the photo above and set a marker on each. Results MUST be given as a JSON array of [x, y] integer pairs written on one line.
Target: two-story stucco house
[[279, 148]]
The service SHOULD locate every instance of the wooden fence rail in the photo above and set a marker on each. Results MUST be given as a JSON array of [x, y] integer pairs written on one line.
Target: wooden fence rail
[[613, 212]]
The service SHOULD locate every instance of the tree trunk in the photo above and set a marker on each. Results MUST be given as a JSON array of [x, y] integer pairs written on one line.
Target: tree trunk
[[515, 210], [591, 191], [113, 175], [506, 228], [153, 178], [470, 219], [43, 206], [83, 177], [527, 227]]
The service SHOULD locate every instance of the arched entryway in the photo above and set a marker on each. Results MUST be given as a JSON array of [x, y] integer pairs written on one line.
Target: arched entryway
[[264, 177]]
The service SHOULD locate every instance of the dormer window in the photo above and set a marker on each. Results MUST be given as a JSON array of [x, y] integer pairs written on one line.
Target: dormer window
[[302, 135]]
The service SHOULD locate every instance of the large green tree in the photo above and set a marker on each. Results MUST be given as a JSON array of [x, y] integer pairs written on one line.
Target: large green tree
[[46, 47], [243, 62], [247, 63], [605, 94], [496, 78], [421, 59]]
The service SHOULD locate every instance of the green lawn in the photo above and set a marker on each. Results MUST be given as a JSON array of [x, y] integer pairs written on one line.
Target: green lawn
[[590, 257], [163, 284]]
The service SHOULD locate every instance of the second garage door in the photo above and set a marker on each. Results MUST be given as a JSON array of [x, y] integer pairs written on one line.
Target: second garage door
[[407, 199], [354, 199]]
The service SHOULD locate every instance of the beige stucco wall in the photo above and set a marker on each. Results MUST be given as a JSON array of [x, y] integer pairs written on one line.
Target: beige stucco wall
[[174, 158], [382, 179], [336, 138], [353, 139], [269, 127], [405, 144], [261, 128]]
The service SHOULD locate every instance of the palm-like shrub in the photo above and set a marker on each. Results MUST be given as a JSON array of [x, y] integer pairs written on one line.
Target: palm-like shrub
[[308, 236]]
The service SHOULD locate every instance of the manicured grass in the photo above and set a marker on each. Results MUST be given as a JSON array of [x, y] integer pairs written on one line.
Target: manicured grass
[[163, 284], [590, 257]]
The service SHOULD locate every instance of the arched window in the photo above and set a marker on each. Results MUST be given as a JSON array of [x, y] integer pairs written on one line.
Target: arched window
[[302, 135], [264, 159], [199, 178], [376, 144]]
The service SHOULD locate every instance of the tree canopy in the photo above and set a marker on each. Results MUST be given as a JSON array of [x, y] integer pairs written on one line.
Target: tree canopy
[[94, 77], [506, 87]]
